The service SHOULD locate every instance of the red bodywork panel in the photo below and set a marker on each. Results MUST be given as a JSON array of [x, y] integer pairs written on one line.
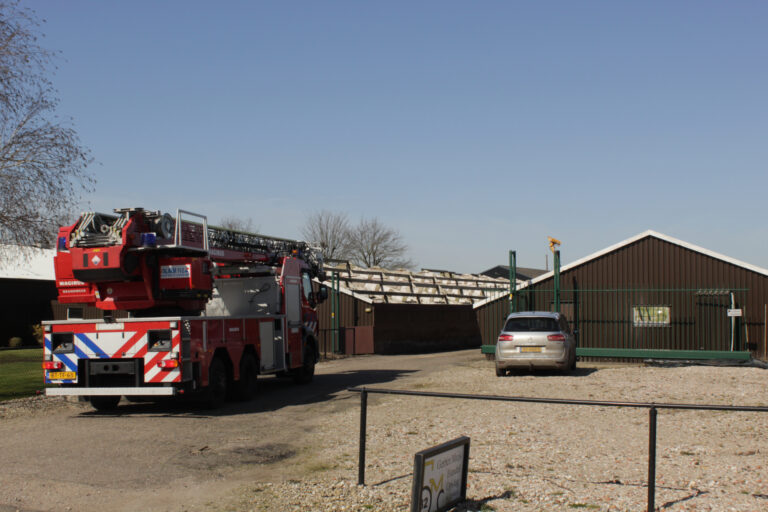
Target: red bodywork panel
[[130, 275]]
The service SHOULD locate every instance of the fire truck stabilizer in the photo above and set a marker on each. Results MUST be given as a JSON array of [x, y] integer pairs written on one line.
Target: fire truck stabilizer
[[188, 308]]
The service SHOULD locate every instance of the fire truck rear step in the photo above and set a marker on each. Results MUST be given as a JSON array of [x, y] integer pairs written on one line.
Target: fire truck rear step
[[130, 391]]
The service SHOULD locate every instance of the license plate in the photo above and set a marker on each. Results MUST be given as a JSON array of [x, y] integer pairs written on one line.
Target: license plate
[[62, 375], [530, 349]]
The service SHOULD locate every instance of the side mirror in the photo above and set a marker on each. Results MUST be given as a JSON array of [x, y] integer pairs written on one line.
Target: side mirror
[[321, 295]]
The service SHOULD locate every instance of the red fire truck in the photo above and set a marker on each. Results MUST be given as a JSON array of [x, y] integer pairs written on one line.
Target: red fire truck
[[188, 309]]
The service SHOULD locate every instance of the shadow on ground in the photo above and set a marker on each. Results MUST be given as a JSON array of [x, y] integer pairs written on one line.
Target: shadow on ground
[[578, 372], [274, 393]]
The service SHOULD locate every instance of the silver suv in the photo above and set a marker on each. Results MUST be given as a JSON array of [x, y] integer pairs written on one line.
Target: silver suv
[[535, 339]]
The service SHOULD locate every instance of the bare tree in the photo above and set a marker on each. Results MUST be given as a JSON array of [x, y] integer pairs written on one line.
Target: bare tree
[[330, 231], [238, 224], [375, 245], [42, 164]]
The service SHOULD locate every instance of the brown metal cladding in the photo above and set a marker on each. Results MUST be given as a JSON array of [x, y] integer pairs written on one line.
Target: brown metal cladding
[[651, 272], [353, 312], [413, 328], [402, 328]]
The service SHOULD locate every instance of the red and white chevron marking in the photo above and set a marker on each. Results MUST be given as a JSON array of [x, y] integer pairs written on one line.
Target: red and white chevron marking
[[131, 345]]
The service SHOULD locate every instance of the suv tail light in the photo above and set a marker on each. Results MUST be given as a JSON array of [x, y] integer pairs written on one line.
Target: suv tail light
[[556, 337], [505, 337]]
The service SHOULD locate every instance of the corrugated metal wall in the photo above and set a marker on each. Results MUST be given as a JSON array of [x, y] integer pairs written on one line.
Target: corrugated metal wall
[[62, 311], [599, 297], [402, 328], [353, 312], [415, 328]]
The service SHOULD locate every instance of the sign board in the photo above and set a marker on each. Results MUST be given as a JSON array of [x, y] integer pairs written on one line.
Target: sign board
[[734, 312], [440, 476]]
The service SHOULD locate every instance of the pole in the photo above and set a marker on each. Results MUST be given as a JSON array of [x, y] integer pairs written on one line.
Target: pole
[[336, 344], [334, 313], [333, 310], [652, 460], [361, 456], [557, 281], [512, 281]]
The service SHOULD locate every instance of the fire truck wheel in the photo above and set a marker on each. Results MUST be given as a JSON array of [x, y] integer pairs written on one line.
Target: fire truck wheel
[[305, 373], [104, 403], [248, 384], [216, 392]]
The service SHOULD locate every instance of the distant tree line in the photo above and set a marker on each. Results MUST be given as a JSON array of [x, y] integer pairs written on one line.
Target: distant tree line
[[368, 243]]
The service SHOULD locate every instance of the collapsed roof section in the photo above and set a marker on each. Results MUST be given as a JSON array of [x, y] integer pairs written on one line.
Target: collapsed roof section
[[377, 285]]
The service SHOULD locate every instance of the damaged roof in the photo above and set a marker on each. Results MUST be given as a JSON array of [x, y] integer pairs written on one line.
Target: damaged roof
[[377, 285]]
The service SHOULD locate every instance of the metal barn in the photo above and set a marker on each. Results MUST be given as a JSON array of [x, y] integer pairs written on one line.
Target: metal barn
[[28, 287], [649, 296]]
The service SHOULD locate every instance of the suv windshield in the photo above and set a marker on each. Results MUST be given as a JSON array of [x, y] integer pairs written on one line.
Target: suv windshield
[[532, 324]]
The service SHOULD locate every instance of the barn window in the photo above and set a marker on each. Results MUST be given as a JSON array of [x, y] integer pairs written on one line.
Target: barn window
[[651, 316]]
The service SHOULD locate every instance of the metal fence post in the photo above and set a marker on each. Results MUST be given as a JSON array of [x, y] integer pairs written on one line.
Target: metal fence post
[[512, 281], [335, 312], [363, 418], [652, 460], [556, 281]]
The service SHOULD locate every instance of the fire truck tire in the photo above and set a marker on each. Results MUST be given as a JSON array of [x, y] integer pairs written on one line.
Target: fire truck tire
[[104, 403], [306, 372], [248, 385], [216, 393]]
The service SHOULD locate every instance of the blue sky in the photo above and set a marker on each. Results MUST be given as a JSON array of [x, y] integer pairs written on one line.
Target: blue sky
[[471, 127]]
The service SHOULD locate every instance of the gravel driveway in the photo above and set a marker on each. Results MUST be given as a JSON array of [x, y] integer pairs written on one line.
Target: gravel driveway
[[296, 448]]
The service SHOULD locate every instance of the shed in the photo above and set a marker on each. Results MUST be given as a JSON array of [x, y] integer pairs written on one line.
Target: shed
[[398, 311], [648, 295], [27, 287], [522, 273]]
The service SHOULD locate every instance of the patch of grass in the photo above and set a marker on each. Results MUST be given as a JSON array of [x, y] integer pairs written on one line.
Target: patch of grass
[[582, 505], [21, 374], [23, 355], [685, 452], [487, 508]]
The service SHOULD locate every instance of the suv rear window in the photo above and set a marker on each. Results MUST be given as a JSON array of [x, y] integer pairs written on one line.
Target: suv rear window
[[532, 324]]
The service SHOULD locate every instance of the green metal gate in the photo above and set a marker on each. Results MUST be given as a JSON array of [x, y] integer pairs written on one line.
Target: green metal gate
[[627, 322]]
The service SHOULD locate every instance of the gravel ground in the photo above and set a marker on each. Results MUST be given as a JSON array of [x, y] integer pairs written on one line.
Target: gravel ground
[[550, 457], [523, 456]]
